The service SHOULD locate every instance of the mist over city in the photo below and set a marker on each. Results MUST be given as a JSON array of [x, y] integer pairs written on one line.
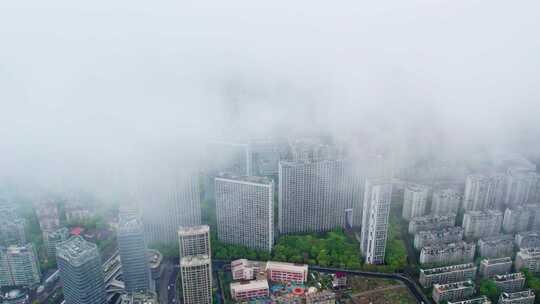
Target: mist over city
[[364, 141]]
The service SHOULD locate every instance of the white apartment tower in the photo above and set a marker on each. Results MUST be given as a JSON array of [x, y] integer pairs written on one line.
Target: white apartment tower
[[414, 201], [244, 209], [445, 201], [484, 191], [520, 187], [377, 200], [194, 240], [196, 277]]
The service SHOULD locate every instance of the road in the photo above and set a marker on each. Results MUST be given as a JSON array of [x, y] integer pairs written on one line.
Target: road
[[167, 282]]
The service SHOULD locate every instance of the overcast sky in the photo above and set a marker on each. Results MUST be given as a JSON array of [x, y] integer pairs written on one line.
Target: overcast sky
[[85, 85]]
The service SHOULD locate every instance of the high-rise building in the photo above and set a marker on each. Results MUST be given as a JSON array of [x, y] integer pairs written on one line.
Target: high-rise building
[[516, 219], [196, 277], [48, 216], [492, 267], [520, 186], [19, 266], [244, 209], [314, 196], [12, 227], [414, 201], [458, 252], [453, 291], [377, 200], [527, 239], [54, 237], [171, 203], [81, 272], [194, 240], [528, 258], [484, 191], [445, 201], [478, 224], [497, 246], [440, 236], [133, 254]]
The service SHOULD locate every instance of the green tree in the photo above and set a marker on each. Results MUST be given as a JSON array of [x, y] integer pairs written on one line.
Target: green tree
[[489, 289]]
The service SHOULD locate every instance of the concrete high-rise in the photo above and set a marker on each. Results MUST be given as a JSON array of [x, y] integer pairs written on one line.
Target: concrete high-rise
[[516, 219], [54, 237], [314, 196], [478, 224], [520, 186], [484, 191], [196, 277], [81, 272], [445, 201], [244, 209], [12, 227], [377, 200], [133, 254], [171, 203], [19, 266], [194, 240], [414, 201]]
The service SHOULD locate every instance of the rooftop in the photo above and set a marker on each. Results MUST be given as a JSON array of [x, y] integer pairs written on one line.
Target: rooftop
[[77, 250], [247, 285], [456, 285], [519, 294], [509, 276], [139, 298], [250, 179], [289, 266], [447, 268], [497, 261], [193, 230]]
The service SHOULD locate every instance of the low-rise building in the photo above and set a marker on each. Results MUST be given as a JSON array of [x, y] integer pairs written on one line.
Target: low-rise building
[[244, 269], [431, 222], [452, 253], [521, 297], [477, 300], [479, 224], [447, 274], [528, 258], [453, 291], [492, 267], [527, 239], [321, 297], [249, 290], [511, 282], [286, 272], [496, 246], [516, 219], [147, 297], [439, 236], [339, 280]]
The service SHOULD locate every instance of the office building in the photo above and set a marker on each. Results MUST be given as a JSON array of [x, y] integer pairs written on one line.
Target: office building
[[458, 252], [53, 238], [314, 196], [286, 272], [447, 274], [19, 266], [510, 282], [196, 278], [414, 201], [377, 200], [492, 267], [520, 185], [244, 209], [434, 237], [249, 290], [431, 222], [520, 297], [453, 291], [445, 201], [527, 239], [81, 271], [172, 202], [516, 219], [194, 240], [528, 258], [496, 246], [479, 224], [476, 300], [132, 249]]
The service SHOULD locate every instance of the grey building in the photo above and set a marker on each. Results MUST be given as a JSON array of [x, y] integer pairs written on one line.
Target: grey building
[[414, 201], [434, 237], [445, 201], [528, 258], [194, 240], [520, 186], [534, 213], [12, 227], [483, 191], [196, 277], [496, 246], [453, 291], [458, 252], [19, 266], [431, 222], [81, 272], [527, 239], [521, 297], [476, 300], [447, 274], [510, 282], [53, 238], [491, 267], [516, 219], [479, 224], [245, 212], [314, 196], [172, 202], [377, 200], [132, 249], [147, 297]]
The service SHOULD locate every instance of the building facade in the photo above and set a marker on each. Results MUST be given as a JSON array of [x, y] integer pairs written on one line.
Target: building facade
[[19, 266], [521, 297], [194, 240], [516, 219], [434, 237], [492, 267], [479, 224], [528, 258], [53, 238], [414, 201], [527, 239], [377, 200], [476, 300], [496, 246], [483, 191], [453, 291], [196, 277], [510, 282], [431, 222], [133, 249], [445, 201], [245, 213], [520, 186], [286, 272], [447, 274], [81, 272], [249, 290], [458, 252]]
